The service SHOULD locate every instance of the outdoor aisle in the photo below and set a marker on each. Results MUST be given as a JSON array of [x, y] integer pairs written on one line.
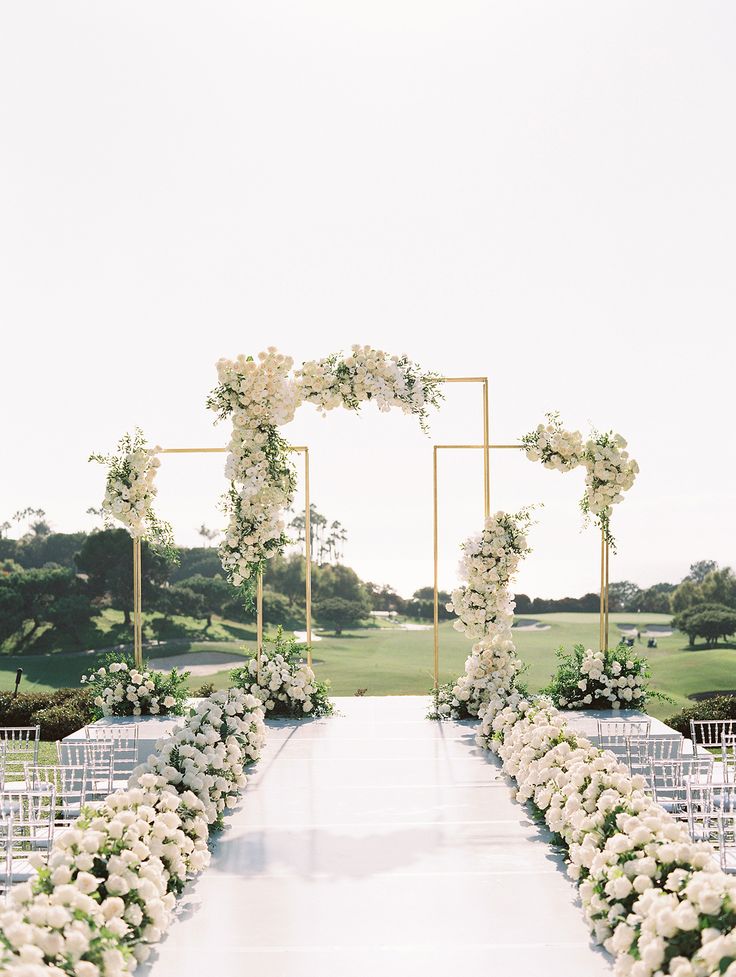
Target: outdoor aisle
[[378, 843]]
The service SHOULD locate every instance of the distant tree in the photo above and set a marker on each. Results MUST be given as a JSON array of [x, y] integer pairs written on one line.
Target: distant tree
[[337, 613], [11, 609], [623, 595], [708, 621], [685, 595], [327, 539], [9, 566], [700, 570], [70, 614], [338, 581], [195, 560], [421, 604], [208, 535], [719, 587], [215, 593], [106, 558], [656, 599], [187, 602], [287, 575], [384, 598]]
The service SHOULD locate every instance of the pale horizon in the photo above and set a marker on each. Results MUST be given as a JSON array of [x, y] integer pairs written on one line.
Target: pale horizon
[[176, 189]]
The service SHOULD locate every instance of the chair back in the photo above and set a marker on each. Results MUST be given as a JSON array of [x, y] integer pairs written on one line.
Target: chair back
[[6, 863], [70, 782], [32, 819], [643, 750], [97, 757], [705, 802], [670, 779], [618, 745], [708, 733], [18, 746], [122, 740], [726, 823], [728, 757], [624, 727]]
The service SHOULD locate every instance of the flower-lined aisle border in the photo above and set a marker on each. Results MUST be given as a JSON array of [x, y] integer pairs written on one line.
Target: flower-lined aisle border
[[112, 879], [609, 470], [654, 898], [130, 491], [485, 609], [259, 396]]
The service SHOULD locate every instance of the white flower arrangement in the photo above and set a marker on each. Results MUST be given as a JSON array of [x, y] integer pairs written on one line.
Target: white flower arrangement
[[111, 881], [655, 899], [485, 607], [369, 374], [130, 490], [261, 395], [609, 470], [282, 683], [121, 689], [612, 679]]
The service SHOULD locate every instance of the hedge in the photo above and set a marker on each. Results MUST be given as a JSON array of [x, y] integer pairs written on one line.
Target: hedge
[[58, 713], [719, 707]]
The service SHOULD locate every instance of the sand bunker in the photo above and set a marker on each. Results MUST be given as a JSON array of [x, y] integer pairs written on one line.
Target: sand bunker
[[198, 663]]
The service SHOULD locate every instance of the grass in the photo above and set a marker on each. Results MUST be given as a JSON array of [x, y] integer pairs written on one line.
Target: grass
[[387, 660]]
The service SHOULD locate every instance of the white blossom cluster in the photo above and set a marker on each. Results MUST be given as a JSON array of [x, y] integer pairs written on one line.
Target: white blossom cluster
[[484, 605], [123, 691], [485, 609], [283, 686], [130, 489], [111, 882], [206, 754], [260, 395], [555, 447], [602, 680], [368, 374], [257, 395], [490, 673], [656, 900], [609, 470]]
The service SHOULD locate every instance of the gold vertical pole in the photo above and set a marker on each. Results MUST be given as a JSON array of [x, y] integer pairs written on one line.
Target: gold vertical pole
[[605, 636], [259, 619], [486, 455], [601, 638], [137, 613], [436, 577], [308, 556]]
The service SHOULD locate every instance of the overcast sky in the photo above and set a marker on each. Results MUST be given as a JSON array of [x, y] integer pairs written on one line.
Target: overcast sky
[[542, 192]]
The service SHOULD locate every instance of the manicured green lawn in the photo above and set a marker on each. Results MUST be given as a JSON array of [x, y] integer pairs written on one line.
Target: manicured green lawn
[[389, 660]]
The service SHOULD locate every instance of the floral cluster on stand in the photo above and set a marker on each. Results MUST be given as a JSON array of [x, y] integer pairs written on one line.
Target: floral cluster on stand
[[259, 395], [369, 374], [484, 606], [612, 679], [121, 689], [282, 681], [130, 491], [609, 470], [656, 900], [111, 881]]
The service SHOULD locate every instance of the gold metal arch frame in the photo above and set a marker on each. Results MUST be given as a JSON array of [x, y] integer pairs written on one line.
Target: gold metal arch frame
[[486, 448], [137, 575]]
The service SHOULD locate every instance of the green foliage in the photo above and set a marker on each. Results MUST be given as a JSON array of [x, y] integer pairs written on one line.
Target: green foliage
[[58, 713], [717, 707], [337, 613], [708, 621], [48, 595], [107, 560]]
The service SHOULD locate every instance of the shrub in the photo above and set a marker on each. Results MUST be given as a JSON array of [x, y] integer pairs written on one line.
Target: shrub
[[58, 713], [719, 707]]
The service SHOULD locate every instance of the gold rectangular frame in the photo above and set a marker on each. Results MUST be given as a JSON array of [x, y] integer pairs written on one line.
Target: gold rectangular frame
[[605, 548], [137, 575]]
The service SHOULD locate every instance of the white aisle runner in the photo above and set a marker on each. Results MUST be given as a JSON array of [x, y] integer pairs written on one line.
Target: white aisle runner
[[378, 843]]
